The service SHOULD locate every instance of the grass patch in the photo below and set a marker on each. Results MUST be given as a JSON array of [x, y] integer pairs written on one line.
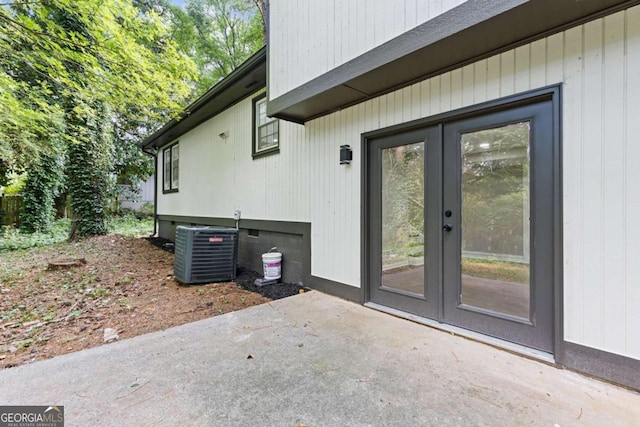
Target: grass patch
[[496, 270]]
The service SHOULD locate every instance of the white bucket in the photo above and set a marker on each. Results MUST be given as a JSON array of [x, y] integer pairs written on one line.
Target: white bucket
[[272, 265]]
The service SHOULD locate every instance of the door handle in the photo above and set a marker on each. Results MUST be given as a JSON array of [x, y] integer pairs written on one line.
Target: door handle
[[447, 227]]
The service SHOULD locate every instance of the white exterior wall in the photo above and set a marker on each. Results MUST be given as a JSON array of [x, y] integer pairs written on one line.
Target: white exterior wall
[[599, 66], [321, 35], [219, 175]]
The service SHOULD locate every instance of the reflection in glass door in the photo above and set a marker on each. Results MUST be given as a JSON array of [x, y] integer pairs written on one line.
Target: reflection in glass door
[[460, 222], [498, 241], [403, 218], [495, 219]]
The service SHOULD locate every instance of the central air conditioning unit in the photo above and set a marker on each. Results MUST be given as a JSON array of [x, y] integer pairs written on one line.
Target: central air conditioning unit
[[205, 254]]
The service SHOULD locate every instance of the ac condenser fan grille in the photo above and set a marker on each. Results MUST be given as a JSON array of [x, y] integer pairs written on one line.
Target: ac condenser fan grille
[[205, 254]]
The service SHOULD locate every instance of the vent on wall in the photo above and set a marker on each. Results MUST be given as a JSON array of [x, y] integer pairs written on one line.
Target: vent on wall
[[205, 254]]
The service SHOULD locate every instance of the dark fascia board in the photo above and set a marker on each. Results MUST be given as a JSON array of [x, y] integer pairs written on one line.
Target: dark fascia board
[[471, 31], [245, 80]]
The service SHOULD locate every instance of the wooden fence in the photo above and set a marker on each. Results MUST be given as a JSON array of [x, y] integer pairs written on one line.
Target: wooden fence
[[10, 210]]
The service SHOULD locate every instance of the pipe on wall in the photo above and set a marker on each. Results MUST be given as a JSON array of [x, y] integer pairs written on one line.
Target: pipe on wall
[[154, 154]]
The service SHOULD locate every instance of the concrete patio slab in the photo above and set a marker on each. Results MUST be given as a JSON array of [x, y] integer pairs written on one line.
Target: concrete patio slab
[[315, 360]]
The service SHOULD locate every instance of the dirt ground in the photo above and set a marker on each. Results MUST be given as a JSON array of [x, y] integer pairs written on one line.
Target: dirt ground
[[126, 285]]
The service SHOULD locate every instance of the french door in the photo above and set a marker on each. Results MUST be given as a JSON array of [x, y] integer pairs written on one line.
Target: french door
[[460, 222]]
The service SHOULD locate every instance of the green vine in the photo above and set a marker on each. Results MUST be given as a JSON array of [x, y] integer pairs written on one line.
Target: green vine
[[88, 170], [39, 193]]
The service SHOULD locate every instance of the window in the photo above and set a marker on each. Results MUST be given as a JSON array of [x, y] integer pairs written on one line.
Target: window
[[170, 159], [265, 129]]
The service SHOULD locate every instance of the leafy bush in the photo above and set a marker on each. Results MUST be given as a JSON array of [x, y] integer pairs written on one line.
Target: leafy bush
[[129, 225], [40, 192], [12, 239], [126, 212], [147, 209], [15, 185]]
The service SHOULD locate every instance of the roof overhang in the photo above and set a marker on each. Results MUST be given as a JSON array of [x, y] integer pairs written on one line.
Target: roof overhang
[[249, 77], [474, 30]]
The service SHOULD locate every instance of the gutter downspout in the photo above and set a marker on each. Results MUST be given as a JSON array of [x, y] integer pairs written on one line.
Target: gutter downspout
[[154, 154]]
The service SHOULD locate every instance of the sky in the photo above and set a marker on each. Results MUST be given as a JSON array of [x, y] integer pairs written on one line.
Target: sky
[[178, 2]]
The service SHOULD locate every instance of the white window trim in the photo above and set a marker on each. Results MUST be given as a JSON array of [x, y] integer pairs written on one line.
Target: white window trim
[[272, 149]]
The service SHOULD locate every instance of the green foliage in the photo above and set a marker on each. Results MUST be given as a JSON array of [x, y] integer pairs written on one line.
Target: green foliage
[[147, 209], [5, 172], [93, 77], [129, 225], [15, 184], [24, 113], [12, 238], [40, 190], [496, 270], [217, 34], [181, 29], [495, 183], [89, 172], [99, 50], [227, 33], [71, 70], [402, 198], [131, 165]]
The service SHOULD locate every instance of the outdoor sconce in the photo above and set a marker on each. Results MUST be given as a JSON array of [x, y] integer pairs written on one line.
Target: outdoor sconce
[[224, 135], [346, 155]]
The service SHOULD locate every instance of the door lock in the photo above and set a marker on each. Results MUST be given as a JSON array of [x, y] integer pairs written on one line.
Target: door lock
[[447, 227]]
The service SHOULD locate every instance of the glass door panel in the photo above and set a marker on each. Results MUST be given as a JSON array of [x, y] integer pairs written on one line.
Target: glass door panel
[[497, 244], [460, 221], [404, 200], [495, 219], [403, 218]]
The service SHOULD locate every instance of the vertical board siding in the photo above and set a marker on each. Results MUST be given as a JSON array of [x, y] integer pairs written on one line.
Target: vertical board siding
[[219, 175], [631, 180], [613, 142], [323, 34], [598, 65], [572, 172], [537, 55], [592, 180]]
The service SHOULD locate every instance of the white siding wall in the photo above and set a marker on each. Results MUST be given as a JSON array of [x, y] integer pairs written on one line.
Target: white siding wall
[[219, 175], [309, 38], [599, 66]]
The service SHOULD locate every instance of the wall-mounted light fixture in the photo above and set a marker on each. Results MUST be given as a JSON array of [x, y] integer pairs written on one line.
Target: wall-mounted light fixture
[[224, 135], [346, 155]]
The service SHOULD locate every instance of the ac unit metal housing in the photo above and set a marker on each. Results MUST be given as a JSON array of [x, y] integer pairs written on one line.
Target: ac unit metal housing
[[205, 254]]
